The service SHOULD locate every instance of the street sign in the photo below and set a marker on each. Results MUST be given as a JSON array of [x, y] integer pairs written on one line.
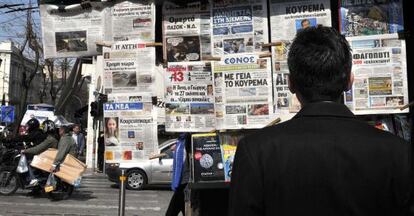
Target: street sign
[[7, 114]]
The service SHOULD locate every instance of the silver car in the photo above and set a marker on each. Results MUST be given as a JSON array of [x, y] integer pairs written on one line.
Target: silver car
[[146, 172]]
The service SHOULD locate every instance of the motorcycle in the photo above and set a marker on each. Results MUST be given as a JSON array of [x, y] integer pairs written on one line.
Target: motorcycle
[[11, 180]]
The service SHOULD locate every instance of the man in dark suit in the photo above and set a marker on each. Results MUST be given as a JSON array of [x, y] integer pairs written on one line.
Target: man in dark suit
[[323, 161]]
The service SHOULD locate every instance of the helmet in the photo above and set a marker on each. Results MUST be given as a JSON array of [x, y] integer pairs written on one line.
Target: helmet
[[32, 124], [48, 126]]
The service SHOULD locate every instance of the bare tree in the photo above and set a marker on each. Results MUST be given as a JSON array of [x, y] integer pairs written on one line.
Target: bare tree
[[53, 83], [31, 40]]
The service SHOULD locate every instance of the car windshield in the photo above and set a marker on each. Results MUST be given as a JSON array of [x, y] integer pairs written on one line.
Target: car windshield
[[168, 142]]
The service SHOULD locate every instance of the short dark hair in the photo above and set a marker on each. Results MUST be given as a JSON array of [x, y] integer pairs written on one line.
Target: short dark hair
[[303, 21], [320, 64]]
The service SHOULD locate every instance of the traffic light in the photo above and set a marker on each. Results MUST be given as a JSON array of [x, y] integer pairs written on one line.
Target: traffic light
[[94, 109]]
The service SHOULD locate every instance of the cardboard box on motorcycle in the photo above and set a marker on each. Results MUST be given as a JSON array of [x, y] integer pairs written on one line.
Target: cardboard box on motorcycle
[[70, 170]]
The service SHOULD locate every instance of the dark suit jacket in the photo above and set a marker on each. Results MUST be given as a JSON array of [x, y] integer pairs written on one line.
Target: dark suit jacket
[[322, 162]]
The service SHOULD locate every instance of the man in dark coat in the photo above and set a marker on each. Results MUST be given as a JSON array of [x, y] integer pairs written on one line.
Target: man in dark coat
[[323, 161]]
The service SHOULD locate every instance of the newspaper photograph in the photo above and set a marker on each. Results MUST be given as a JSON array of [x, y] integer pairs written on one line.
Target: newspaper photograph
[[380, 70], [189, 98], [243, 92], [289, 17], [186, 32], [130, 20], [129, 66], [71, 30], [130, 131], [238, 26], [358, 18]]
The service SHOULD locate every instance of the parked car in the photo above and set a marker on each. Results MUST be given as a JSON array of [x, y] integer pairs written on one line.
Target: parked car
[[145, 172]]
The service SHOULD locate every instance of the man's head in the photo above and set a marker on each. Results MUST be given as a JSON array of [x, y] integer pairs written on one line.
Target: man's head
[[320, 64], [76, 129], [64, 129], [305, 23]]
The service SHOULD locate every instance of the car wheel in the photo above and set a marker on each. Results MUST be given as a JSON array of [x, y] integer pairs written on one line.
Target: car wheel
[[136, 179]]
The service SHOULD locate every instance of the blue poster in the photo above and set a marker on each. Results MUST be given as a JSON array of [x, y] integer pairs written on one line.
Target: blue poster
[[7, 114]]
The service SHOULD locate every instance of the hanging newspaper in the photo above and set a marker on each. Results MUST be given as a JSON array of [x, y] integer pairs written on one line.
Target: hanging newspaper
[[380, 70], [71, 30], [186, 32], [129, 67], [129, 97], [189, 97], [243, 92], [358, 18], [130, 130], [238, 26], [129, 20], [288, 18]]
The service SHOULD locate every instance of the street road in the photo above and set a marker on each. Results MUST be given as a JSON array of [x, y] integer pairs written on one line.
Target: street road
[[96, 196]]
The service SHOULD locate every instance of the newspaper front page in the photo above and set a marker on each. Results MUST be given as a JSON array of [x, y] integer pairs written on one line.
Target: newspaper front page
[[129, 67], [288, 18], [243, 92], [189, 97], [129, 20], [238, 26], [72, 31], [380, 70], [366, 17], [186, 32], [378, 56], [130, 130]]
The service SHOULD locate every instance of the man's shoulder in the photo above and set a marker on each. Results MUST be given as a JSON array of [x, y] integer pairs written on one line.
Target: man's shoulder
[[51, 138], [67, 138], [266, 135], [388, 137]]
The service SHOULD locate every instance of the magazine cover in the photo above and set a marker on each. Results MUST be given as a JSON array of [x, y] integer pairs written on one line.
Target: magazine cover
[[229, 143], [207, 158]]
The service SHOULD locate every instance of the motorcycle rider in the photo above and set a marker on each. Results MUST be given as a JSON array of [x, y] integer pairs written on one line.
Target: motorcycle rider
[[35, 135], [51, 141], [66, 146]]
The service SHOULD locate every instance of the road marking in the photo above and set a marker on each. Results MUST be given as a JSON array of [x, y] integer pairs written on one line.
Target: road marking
[[82, 193], [150, 208], [75, 206]]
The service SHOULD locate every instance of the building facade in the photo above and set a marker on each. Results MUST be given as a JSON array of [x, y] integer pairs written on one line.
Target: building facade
[[11, 75]]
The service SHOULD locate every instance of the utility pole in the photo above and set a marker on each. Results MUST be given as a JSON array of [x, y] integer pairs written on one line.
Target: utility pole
[[3, 101]]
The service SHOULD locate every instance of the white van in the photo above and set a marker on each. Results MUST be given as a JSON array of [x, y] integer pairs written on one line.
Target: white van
[[41, 112]]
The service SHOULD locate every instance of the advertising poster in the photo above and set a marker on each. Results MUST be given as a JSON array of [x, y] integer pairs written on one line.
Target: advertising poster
[[243, 92], [207, 158], [380, 70], [238, 27], [129, 67], [186, 32], [366, 17], [286, 19], [130, 130], [189, 97]]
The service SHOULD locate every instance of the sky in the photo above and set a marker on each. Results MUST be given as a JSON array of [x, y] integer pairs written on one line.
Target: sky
[[12, 25]]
